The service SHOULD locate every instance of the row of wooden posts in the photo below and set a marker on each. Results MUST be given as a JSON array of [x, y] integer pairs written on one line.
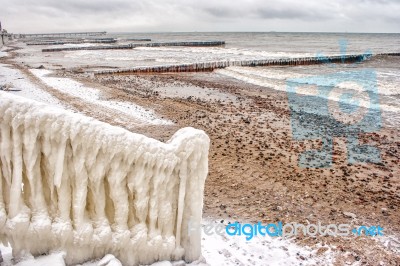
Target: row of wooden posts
[[134, 45], [71, 41], [210, 66]]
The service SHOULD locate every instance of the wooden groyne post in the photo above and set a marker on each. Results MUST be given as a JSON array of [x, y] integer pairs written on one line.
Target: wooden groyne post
[[134, 45], [63, 34], [193, 44], [210, 66], [78, 41], [108, 47]]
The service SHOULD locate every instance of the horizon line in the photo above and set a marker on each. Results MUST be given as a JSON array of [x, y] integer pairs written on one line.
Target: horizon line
[[153, 32]]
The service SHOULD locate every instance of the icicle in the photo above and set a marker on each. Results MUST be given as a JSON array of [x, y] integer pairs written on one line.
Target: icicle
[[72, 183]]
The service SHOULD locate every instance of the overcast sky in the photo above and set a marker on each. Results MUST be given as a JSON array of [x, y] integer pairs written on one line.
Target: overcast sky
[[25, 16]]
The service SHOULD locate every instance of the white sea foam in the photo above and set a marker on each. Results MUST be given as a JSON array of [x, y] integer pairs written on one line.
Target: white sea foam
[[178, 55], [266, 78], [225, 52]]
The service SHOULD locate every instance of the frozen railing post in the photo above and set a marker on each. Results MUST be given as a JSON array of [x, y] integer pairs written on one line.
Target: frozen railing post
[[69, 182]]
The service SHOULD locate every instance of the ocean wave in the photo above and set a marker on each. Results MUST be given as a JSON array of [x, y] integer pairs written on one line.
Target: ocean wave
[[311, 83]]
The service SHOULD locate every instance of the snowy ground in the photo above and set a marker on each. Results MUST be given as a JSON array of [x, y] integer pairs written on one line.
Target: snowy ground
[[235, 250], [216, 249], [19, 85], [3, 54], [92, 95]]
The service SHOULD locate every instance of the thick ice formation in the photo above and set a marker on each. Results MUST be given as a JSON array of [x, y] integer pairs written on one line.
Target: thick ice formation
[[70, 182]]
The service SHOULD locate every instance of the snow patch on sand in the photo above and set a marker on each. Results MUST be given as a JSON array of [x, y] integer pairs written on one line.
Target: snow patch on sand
[[94, 96], [19, 85], [227, 250], [235, 250], [3, 54], [54, 259]]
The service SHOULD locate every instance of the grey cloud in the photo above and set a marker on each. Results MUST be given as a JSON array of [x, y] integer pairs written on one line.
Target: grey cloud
[[206, 15], [81, 7], [294, 13], [220, 12]]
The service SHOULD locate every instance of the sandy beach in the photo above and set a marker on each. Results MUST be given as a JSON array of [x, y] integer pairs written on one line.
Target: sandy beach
[[253, 160]]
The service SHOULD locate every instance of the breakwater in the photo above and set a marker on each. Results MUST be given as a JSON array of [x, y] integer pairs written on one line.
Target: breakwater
[[4, 38], [138, 40], [210, 66], [390, 54], [193, 44], [62, 34], [134, 45], [105, 47], [61, 42]]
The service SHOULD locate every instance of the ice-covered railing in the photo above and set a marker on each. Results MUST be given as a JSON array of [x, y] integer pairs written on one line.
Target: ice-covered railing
[[69, 182]]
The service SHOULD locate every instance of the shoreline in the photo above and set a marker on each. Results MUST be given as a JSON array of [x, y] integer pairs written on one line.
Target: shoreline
[[253, 160]]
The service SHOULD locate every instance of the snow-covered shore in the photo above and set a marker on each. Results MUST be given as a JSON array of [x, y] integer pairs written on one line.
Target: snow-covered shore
[[92, 95], [216, 249]]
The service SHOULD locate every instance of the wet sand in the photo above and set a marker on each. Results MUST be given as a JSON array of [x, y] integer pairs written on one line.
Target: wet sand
[[254, 174]]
